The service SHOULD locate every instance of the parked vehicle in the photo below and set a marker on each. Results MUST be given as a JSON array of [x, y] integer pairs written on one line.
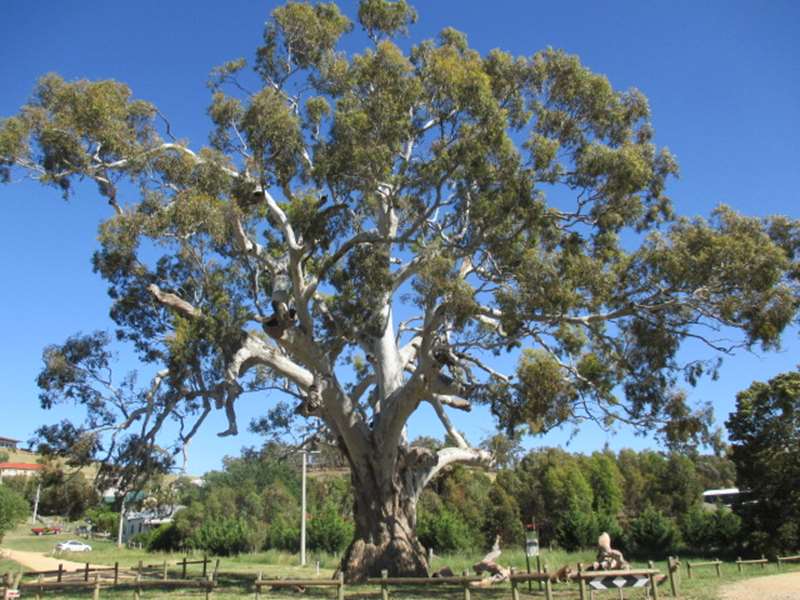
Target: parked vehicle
[[73, 546], [45, 530]]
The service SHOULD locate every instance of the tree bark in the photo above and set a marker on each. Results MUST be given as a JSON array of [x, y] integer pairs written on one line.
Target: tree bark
[[385, 513]]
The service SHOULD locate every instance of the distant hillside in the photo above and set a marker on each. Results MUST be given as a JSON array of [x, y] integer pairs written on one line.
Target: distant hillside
[[26, 456], [23, 456]]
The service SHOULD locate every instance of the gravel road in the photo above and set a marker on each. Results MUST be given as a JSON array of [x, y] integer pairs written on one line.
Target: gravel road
[[36, 561], [773, 587]]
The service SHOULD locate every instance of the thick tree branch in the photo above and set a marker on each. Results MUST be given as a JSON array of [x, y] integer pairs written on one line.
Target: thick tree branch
[[454, 434], [449, 456], [453, 401], [174, 301]]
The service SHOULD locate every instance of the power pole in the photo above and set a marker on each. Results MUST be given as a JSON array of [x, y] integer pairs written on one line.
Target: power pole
[[36, 503], [305, 454], [121, 523], [303, 514]]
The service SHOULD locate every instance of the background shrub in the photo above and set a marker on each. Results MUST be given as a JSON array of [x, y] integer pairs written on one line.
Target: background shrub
[[283, 534], [329, 531], [652, 535], [443, 531], [223, 537], [164, 538], [13, 509]]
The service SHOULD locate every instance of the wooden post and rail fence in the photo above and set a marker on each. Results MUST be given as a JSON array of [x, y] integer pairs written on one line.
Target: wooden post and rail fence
[[158, 577], [755, 561], [785, 559], [716, 563], [740, 564], [588, 581], [594, 580]]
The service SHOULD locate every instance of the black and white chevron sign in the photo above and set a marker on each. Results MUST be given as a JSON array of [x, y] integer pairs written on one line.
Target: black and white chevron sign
[[617, 581]]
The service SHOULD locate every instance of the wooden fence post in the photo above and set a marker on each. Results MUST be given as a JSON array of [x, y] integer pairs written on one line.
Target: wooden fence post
[[652, 578], [514, 586], [205, 564], [779, 563], [40, 591], [116, 572], [384, 586], [672, 570], [763, 564], [137, 592], [258, 586], [548, 586], [465, 585], [688, 570], [141, 567], [86, 573], [581, 582], [216, 570], [96, 591], [716, 566], [183, 568], [165, 571], [739, 563], [209, 587], [340, 587]]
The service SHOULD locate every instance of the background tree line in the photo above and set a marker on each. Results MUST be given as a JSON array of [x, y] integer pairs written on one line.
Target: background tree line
[[650, 502]]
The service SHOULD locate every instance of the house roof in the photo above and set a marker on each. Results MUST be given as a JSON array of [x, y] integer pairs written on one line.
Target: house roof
[[21, 466], [8, 439], [160, 515]]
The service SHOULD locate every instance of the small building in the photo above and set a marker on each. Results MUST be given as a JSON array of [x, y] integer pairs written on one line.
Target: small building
[[9, 443], [136, 522], [16, 469]]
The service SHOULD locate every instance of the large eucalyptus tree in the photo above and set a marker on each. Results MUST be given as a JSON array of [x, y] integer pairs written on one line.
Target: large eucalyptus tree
[[371, 232]]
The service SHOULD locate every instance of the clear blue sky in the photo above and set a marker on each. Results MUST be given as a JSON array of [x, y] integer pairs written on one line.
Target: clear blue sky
[[723, 79]]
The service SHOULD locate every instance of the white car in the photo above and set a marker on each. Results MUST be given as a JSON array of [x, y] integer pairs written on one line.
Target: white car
[[73, 546]]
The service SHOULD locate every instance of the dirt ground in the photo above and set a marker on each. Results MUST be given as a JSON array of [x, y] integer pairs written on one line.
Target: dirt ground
[[773, 587], [36, 561]]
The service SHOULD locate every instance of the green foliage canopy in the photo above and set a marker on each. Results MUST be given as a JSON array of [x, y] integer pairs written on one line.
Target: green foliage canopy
[[765, 446], [13, 508]]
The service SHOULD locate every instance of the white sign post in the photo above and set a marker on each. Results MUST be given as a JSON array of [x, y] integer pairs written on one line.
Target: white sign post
[[531, 549], [531, 541]]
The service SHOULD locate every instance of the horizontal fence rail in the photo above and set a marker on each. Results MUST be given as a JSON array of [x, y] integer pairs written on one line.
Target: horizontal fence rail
[[716, 563], [783, 559], [300, 583], [753, 561]]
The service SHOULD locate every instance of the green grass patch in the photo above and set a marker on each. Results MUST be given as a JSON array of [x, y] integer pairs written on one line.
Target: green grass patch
[[9, 566]]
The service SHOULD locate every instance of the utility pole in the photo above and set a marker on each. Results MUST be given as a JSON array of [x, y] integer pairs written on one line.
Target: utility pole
[[303, 514], [36, 503], [121, 522], [305, 454]]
